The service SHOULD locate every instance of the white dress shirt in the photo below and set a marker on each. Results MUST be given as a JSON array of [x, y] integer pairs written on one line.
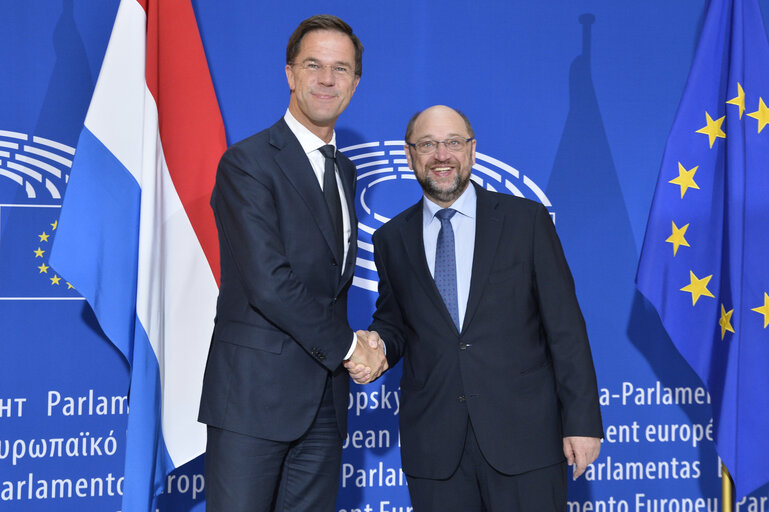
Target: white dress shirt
[[311, 145]]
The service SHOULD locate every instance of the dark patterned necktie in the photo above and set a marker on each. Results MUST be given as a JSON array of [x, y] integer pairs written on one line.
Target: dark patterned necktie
[[331, 193]]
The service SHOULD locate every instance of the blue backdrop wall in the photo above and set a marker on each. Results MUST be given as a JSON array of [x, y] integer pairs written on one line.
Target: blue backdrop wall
[[571, 103]]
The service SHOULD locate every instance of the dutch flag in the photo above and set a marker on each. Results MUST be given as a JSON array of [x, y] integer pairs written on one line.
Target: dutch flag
[[136, 236]]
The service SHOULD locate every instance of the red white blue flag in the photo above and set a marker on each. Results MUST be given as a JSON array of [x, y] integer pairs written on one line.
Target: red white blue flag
[[136, 236]]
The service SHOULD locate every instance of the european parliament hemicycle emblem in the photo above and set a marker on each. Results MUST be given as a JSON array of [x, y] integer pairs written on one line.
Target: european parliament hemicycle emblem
[[386, 186], [39, 167], [33, 175]]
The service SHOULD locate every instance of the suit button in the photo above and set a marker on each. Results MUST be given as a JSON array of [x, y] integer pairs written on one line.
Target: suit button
[[463, 346], [461, 398], [333, 301]]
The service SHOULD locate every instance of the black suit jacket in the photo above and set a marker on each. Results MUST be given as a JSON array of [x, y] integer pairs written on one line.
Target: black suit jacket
[[521, 368], [281, 321]]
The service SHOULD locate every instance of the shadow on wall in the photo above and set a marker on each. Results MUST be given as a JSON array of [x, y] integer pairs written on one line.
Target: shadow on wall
[[595, 229], [70, 84]]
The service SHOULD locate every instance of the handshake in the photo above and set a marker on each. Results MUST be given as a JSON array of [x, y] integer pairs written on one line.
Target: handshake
[[368, 360]]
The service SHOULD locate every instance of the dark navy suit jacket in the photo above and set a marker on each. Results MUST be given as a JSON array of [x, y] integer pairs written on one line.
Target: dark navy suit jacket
[[281, 320], [521, 368]]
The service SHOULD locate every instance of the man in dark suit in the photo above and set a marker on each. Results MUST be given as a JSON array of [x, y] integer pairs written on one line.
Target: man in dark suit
[[275, 392], [498, 386]]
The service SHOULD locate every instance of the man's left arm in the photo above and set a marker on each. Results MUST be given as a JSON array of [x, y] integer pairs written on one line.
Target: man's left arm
[[568, 342]]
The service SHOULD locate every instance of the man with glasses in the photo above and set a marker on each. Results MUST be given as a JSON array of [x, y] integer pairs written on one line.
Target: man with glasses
[[275, 391], [498, 387]]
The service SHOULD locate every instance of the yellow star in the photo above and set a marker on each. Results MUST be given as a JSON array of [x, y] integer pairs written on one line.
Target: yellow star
[[69, 286], [762, 115], [713, 129], [739, 100], [55, 280], [677, 238], [55, 223], [39, 253], [44, 237], [697, 287], [764, 310], [43, 268], [725, 321], [685, 179]]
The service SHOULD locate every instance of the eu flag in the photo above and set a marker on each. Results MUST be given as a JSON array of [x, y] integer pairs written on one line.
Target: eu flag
[[705, 258]]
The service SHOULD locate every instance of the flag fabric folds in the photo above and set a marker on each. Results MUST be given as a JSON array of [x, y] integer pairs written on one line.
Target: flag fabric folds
[[704, 263], [136, 236]]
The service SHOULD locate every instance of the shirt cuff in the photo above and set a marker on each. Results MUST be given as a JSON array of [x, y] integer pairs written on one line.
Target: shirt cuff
[[352, 347]]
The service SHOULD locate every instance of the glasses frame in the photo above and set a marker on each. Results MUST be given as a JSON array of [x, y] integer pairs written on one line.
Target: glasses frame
[[437, 143], [349, 73]]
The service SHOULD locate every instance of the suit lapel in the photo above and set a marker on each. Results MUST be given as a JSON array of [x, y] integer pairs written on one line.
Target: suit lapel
[[413, 241], [488, 229], [294, 163]]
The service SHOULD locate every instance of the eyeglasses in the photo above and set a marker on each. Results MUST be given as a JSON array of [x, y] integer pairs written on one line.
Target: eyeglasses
[[425, 147], [313, 68]]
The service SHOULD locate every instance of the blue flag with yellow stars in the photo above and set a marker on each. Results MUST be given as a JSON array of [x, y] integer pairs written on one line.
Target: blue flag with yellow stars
[[705, 258]]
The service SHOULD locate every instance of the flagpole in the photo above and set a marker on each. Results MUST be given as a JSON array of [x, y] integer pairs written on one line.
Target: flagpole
[[727, 489]]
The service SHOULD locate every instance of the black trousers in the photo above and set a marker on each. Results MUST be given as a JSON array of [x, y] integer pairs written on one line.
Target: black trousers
[[249, 474], [476, 486]]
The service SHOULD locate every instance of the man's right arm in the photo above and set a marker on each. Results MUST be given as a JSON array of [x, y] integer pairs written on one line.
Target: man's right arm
[[386, 328], [388, 321]]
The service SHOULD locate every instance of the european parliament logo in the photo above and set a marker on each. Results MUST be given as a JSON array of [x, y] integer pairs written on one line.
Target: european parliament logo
[[33, 175], [386, 186]]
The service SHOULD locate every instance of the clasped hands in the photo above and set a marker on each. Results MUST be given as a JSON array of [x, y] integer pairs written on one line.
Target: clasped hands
[[368, 361]]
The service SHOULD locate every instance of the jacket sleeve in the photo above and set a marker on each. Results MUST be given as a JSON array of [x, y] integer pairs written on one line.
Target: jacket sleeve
[[565, 331], [387, 321]]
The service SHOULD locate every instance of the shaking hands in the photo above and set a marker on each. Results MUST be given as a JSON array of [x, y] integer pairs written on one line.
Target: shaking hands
[[368, 361]]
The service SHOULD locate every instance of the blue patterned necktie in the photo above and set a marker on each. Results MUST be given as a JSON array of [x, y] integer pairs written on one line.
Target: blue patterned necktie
[[446, 264]]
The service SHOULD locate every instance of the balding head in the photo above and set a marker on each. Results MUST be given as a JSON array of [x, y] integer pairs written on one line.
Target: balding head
[[438, 109]]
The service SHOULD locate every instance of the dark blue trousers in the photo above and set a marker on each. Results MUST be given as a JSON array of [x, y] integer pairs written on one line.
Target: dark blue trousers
[[476, 486], [249, 474]]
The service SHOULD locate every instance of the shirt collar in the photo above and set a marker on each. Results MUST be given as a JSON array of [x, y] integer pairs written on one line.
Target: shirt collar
[[465, 205], [308, 140]]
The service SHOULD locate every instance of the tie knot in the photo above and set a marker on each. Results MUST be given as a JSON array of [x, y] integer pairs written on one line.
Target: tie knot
[[328, 151], [445, 214]]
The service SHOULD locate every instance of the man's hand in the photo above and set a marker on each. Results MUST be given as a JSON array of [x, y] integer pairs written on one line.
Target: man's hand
[[581, 451], [368, 361]]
